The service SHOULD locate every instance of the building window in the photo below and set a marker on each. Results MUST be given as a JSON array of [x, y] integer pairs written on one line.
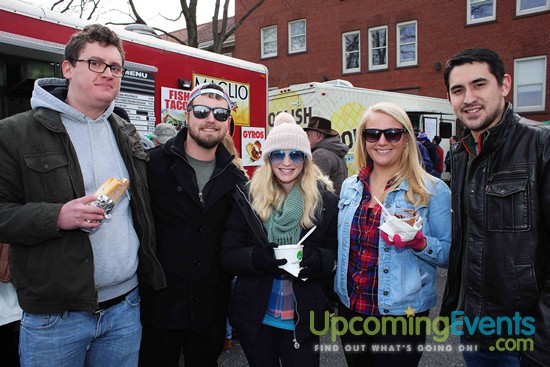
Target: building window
[[530, 84], [481, 11], [407, 43], [531, 6], [297, 36], [269, 41], [351, 57], [378, 48]]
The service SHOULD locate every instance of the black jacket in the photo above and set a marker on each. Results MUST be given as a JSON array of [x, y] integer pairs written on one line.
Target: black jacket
[[189, 235], [500, 254], [251, 293]]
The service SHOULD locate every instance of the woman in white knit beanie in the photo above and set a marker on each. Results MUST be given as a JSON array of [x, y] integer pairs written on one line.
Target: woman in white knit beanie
[[272, 309]]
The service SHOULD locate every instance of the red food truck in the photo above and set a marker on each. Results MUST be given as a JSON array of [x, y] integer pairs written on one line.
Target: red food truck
[[156, 86]]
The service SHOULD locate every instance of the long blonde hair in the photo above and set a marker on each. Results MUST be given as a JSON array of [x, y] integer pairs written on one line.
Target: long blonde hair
[[229, 144], [409, 168], [268, 194]]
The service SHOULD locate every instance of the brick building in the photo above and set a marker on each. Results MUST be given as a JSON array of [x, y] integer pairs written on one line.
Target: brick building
[[204, 36], [398, 45]]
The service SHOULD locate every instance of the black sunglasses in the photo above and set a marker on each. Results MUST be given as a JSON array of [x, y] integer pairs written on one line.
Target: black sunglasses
[[296, 156], [202, 112], [392, 135]]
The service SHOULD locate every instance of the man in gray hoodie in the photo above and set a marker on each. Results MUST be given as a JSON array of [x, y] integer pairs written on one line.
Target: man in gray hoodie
[[76, 269], [328, 152]]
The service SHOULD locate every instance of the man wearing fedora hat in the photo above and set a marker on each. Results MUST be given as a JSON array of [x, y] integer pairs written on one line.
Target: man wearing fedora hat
[[327, 150]]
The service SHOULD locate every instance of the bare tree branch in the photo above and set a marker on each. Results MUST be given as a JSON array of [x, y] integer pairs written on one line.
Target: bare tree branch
[[89, 8]]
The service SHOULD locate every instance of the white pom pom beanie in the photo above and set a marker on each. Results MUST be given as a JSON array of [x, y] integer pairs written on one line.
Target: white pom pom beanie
[[286, 135]]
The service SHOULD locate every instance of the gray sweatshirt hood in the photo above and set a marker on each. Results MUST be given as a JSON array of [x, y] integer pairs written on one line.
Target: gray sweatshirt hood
[[52, 92]]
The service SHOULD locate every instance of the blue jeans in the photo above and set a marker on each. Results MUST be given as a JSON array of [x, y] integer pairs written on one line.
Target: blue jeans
[[483, 357], [109, 337]]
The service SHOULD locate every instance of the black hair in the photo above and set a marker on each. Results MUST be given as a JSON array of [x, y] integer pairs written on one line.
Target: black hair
[[471, 55]]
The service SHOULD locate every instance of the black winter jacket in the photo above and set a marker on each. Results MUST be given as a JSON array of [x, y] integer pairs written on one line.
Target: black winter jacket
[[251, 293], [500, 255], [189, 235]]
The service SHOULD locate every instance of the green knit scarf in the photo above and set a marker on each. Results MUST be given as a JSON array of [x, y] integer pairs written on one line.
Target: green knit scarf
[[283, 226]]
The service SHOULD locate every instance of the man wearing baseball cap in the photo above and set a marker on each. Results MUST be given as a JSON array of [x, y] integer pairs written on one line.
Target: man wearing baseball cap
[[163, 132], [328, 151]]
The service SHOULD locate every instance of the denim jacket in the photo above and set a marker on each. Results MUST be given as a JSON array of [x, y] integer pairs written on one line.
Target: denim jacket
[[405, 277]]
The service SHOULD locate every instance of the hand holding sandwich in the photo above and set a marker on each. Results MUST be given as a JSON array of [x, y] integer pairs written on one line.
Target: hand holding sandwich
[[78, 213]]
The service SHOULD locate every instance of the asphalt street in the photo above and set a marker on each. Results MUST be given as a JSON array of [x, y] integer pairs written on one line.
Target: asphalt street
[[449, 357]]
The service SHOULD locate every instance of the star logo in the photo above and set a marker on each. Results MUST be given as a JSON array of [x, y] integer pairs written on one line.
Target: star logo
[[410, 311]]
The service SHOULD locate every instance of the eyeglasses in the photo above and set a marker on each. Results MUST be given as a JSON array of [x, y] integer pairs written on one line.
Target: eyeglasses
[[392, 135], [201, 112], [99, 67], [296, 156]]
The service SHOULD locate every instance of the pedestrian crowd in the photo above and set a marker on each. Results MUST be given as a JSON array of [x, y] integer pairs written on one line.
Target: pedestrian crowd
[[194, 248]]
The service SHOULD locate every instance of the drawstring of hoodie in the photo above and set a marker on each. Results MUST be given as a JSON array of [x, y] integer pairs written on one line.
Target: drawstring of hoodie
[[114, 151], [296, 344], [88, 122]]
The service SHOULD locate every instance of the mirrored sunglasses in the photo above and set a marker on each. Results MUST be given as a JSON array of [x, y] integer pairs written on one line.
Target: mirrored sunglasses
[[392, 135], [202, 112], [296, 156]]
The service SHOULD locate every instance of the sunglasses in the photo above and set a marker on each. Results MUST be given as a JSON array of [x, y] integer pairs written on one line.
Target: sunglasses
[[392, 135], [202, 112], [296, 156]]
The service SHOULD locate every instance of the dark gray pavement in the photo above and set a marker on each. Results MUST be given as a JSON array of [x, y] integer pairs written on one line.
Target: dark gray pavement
[[451, 357]]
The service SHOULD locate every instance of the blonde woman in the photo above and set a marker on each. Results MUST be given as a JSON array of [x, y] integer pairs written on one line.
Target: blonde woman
[[379, 276], [288, 195]]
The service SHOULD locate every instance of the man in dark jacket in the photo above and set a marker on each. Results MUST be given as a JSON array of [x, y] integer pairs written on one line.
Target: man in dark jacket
[[499, 265], [191, 182], [75, 269], [328, 151], [432, 151]]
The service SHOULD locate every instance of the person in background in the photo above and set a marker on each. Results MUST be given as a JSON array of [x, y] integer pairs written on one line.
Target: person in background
[[379, 275], [191, 183], [440, 156], [288, 195], [432, 151], [10, 312], [499, 265], [452, 141], [75, 270], [328, 151], [163, 132]]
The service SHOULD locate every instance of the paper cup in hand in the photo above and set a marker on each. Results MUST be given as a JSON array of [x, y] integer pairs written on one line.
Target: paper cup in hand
[[404, 222], [293, 255]]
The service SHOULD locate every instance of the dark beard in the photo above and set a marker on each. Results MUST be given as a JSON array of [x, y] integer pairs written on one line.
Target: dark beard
[[207, 144]]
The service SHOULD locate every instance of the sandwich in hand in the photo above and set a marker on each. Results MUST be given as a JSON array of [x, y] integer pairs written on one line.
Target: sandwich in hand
[[113, 188]]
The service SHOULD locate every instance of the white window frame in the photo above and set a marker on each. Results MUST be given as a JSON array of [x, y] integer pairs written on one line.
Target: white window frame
[[470, 20], [398, 44], [371, 65], [264, 54], [517, 80], [531, 10], [291, 36], [345, 53]]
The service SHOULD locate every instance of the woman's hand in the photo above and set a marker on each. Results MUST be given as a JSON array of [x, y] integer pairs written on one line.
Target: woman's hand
[[418, 243]]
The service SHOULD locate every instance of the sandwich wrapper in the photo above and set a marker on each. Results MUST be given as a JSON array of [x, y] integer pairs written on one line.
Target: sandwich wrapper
[[394, 225]]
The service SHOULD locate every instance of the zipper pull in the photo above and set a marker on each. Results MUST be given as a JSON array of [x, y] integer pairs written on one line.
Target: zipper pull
[[200, 198]]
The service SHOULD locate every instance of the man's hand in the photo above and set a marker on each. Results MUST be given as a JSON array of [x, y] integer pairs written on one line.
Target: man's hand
[[78, 214]]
